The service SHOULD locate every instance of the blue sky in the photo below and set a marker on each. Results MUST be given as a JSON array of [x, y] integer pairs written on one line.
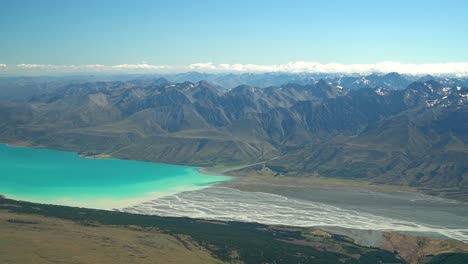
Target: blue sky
[[180, 32]]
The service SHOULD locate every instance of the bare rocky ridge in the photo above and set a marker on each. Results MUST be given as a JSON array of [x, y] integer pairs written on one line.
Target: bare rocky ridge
[[385, 129]]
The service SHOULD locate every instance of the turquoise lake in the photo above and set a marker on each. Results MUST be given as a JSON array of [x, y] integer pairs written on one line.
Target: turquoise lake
[[59, 177]]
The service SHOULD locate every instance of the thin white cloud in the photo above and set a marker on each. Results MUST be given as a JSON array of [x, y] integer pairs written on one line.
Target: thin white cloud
[[87, 67], [59, 67], [142, 66], [202, 66], [35, 66], [94, 66], [2, 65], [452, 68]]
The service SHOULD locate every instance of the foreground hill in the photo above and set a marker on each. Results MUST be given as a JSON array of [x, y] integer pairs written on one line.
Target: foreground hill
[[94, 236], [355, 127]]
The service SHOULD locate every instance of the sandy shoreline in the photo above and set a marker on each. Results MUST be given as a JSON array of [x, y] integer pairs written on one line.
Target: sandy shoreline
[[20, 144], [96, 156]]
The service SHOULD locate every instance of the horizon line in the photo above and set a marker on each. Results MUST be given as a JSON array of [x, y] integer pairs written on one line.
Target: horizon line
[[458, 69]]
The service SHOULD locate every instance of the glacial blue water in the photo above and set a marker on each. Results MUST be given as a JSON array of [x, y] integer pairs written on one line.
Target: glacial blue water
[[65, 178]]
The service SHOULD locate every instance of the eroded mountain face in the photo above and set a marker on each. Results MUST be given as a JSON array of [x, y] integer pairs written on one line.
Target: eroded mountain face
[[383, 128]]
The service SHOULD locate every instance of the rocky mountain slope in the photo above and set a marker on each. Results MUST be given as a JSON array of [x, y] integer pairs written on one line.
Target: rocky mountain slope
[[386, 129]]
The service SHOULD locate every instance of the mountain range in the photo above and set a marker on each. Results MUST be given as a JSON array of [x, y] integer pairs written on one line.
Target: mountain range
[[391, 128]]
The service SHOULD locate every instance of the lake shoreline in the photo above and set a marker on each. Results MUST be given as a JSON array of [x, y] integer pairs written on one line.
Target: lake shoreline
[[245, 177], [20, 144], [242, 181]]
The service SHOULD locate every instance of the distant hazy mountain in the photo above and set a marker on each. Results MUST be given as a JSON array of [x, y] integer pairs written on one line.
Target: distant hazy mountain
[[388, 128], [230, 80]]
